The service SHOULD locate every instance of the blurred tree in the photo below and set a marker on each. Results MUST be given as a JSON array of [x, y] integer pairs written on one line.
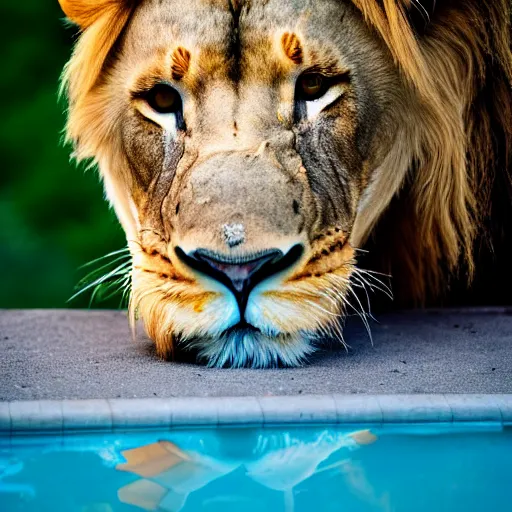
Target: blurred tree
[[53, 217]]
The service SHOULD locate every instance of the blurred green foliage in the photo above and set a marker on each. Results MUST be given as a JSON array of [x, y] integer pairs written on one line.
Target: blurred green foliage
[[53, 216]]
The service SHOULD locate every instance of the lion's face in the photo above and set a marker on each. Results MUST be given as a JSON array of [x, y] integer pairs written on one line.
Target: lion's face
[[249, 141]]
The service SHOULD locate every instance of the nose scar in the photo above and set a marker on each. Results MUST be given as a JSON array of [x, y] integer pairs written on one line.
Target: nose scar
[[233, 234]]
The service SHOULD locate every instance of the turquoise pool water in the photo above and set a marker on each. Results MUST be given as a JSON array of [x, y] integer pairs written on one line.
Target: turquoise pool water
[[410, 469]]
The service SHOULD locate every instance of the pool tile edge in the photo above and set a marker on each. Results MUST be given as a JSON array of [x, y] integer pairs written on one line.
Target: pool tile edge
[[68, 416], [504, 402], [358, 409], [5, 417], [86, 415], [415, 409], [42, 415], [302, 409], [140, 413], [466, 407]]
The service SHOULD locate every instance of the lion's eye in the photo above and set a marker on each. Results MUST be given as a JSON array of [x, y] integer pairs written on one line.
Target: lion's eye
[[164, 99], [311, 86]]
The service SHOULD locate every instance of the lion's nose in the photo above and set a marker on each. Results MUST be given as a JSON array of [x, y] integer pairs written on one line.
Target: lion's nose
[[241, 273]]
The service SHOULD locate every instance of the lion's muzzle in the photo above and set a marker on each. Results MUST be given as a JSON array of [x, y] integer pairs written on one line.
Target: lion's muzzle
[[240, 219], [241, 274]]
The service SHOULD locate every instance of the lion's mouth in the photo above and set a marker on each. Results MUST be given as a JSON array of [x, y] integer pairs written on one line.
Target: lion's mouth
[[241, 275]]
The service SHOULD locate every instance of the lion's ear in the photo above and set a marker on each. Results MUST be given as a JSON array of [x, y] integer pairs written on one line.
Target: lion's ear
[[85, 12]]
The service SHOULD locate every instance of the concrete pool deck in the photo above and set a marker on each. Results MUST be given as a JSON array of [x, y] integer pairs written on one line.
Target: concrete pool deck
[[62, 370], [55, 355]]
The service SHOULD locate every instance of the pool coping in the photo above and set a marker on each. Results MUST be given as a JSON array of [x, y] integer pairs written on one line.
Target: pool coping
[[110, 415]]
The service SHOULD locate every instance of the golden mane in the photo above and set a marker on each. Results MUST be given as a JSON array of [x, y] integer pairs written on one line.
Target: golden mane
[[461, 67]]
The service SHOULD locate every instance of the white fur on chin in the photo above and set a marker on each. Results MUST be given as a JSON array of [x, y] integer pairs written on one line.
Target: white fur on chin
[[252, 349]]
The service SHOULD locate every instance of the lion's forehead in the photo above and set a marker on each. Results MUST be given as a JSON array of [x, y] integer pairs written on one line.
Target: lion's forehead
[[215, 30]]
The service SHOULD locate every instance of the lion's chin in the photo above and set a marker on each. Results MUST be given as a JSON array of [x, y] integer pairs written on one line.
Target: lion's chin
[[244, 346]]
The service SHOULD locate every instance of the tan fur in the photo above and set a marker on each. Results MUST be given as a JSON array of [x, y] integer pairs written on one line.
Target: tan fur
[[180, 63], [101, 22], [432, 175], [292, 47]]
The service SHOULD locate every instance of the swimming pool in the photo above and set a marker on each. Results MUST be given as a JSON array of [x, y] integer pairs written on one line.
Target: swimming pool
[[413, 468]]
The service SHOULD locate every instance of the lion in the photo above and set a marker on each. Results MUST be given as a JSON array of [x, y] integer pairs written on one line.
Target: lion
[[251, 150]]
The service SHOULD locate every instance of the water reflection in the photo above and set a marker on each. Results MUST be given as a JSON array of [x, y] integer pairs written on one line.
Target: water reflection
[[277, 461], [317, 469]]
